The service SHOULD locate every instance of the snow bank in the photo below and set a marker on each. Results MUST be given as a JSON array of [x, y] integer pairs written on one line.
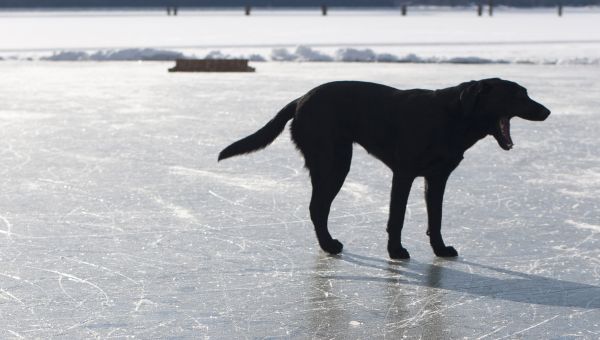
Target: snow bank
[[134, 54], [220, 55], [352, 54], [302, 54], [116, 55], [367, 55]]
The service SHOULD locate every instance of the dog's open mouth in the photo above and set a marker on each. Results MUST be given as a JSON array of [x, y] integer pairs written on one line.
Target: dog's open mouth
[[502, 133]]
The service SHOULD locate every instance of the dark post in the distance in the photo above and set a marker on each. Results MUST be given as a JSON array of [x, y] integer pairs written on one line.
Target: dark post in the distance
[[175, 10], [324, 9], [247, 9], [403, 10], [560, 9], [479, 10], [491, 7]]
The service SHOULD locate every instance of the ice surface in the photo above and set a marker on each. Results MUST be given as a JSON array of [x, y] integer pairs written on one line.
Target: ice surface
[[117, 221], [519, 36]]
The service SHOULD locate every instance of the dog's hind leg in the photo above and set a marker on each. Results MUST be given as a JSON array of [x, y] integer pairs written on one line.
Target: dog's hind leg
[[400, 190], [328, 170], [434, 196]]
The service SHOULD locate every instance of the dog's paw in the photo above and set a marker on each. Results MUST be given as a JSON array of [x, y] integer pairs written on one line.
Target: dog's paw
[[445, 252], [332, 247], [398, 253]]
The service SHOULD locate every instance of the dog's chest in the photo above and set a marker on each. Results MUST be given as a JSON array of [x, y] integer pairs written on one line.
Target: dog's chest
[[440, 159]]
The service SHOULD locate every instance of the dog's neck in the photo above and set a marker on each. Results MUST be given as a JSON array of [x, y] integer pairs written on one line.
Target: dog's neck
[[464, 130]]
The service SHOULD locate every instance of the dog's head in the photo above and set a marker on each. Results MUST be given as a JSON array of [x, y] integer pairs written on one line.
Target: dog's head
[[491, 103]]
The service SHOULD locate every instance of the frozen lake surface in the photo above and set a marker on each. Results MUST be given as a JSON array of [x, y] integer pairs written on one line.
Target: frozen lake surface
[[116, 220], [425, 35]]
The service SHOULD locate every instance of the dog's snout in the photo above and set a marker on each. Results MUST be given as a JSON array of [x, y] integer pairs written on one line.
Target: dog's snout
[[535, 111], [545, 113], [542, 112]]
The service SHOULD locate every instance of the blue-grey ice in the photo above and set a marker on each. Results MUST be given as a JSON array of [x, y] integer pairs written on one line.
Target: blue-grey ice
[[116, 220]]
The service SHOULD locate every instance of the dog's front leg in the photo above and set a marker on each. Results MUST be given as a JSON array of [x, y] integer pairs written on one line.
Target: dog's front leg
[[400, 190], [434, 196]]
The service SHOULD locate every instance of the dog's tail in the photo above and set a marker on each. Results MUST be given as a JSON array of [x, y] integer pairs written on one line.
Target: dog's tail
[[263, 137]]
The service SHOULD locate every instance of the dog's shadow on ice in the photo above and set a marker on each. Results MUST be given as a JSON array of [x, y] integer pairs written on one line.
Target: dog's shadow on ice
[[479, 279]]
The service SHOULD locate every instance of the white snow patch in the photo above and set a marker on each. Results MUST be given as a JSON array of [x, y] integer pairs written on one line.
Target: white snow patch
[[582, 225], [353, 54], [306, 53], [282, 54], [302, 53], [254, 184], [474, 60], [217, 54], [176, 210], [357, 190], [576, 183]]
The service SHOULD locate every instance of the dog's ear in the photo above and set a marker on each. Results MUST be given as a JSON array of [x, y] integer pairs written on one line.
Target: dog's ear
[[470, 95]]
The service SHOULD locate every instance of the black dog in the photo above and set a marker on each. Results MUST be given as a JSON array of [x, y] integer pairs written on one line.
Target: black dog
[[414, 132]]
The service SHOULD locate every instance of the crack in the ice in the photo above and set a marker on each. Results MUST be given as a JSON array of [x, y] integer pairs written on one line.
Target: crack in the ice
[[75, 279], [530, 327]]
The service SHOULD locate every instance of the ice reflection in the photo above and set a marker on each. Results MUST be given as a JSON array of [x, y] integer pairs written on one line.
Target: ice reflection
[[454, 275]]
